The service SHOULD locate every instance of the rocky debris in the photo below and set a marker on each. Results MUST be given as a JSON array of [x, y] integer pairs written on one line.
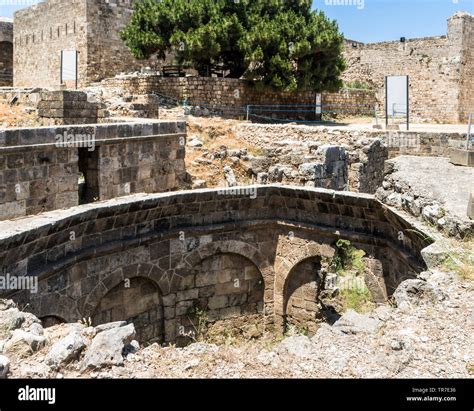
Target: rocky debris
[[427, 334], [66, 350], [230, 177], [109, 326], [197, 184], [12, 319], [299, 346], [412, 291], [107, 347], [434, 254], [442, 203], [354, 323], [24, 343], [194, 141], [4, 367], [36, 370]]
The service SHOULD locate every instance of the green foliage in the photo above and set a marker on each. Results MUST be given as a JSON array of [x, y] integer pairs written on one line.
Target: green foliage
[[358, 85], [347, 258], [356, 298], [278, 43], [200, 323]]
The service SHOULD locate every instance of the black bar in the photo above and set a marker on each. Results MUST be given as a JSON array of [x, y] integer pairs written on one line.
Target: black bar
[[317, 394]]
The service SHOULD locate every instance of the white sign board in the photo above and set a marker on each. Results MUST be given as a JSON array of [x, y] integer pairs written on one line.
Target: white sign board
[[68, 65], [397, 96], [319, 100]]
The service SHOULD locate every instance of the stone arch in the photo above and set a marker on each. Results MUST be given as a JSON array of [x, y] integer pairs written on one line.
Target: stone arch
[[291, 253], [243, 249], [227, 290], [300, 294], [51, 320], [116, 277], [140, 303], [140, 300], [230, 246]]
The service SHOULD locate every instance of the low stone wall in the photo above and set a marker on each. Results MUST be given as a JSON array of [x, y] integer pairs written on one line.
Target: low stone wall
[[231, 254], [68, 107], [236, 95], [40, 167], [298, 155]]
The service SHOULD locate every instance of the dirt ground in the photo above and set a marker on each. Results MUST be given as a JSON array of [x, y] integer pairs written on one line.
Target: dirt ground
[[17, 116]]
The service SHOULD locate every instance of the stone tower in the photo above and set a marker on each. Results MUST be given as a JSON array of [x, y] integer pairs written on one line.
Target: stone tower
[[42, 34]]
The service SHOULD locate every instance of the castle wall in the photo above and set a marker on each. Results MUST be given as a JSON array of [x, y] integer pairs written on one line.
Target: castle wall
[[6, 53], [107, 54], [40, 33], [439, 70], [89, 26], [466, 103]]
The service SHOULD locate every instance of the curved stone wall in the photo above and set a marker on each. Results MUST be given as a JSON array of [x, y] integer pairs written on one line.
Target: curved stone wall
[[231, 254]]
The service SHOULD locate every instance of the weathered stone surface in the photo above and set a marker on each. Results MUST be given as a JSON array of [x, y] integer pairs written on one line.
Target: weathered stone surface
[[236, 271], [24, 343], [66, 350], [109, 326], [354, 323], [42, 166], [107, 347], [435, 254], [299, 346], [425, 60], [423, 194], [462, 157], [4, 366], [412, 291], [230, 176]]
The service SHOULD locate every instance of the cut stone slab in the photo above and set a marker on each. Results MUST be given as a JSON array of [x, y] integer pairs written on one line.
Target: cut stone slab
[[461, 157]]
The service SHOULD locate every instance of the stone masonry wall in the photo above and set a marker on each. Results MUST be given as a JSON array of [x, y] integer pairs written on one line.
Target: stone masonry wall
[[88, 26], [67, 107], [107, 54], [6, 53], [235, 94], [189, 244], [467, 65], [40, 172], [440, 70], [40, 33]]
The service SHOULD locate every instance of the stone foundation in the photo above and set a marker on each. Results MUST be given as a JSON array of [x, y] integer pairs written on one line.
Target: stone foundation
[[40, 168], [200, 256]]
